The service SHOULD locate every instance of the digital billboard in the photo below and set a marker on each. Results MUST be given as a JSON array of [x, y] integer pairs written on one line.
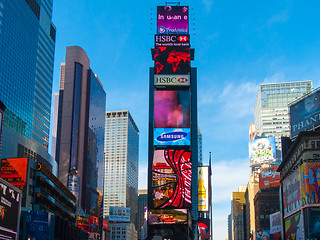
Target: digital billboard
[[310, 182], [312, 223], [119, 214], [14, 171], [10, 205], [203, 189], [305, 114], [171, 80], [172, 60], [262, 235], [275, 223], [269, 177], [291, 192], [37, 225], [172, 136], [262, 150], [172, 40], [293, 228], [171, 109], [171, 179], [172, 19], [165, 216]]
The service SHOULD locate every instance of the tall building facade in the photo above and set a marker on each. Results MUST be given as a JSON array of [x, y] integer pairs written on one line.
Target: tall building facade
[[27, 46], [271, 114], [80, 131], [121, 157], [142, 207]]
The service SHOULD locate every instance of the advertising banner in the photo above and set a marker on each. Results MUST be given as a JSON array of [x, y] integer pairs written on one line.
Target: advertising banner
[[73, 184], [310, 182], [291, 192], [119, 214], [172, 216], [171, 109], [171, 80], [203, 189], [262, 150], [171, 178], [204, 231], [275, 223], [305, 114], [262, 235], [172, 19], [172, 136], [172, 60], [14, 171], [293, 228], [172, 40], [312, 223], [37, 225], [268, 177], [10, 204]]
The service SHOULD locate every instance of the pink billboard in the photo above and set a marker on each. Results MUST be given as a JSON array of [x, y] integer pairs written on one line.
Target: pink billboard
[[172, 19]]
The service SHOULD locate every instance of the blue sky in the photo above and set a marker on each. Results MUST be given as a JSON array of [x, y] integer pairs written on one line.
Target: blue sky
[[238, 44]]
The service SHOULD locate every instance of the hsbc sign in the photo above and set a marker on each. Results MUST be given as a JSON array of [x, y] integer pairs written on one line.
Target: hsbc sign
[[183, 80], [172, 40]]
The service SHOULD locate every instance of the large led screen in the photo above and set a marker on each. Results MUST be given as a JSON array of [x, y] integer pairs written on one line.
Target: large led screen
[[171, 109], [262, 150], [171, 179], [172, 60], [269, 177], [310, 182], [312, 223], [203, 189], [165, 216], [262, 235], [14, 171], [291, 192], [172, 19], [171, 136], [305, 114], [293, 228], [172, 40]]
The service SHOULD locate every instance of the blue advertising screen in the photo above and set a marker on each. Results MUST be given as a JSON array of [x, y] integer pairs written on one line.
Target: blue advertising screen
[[171, 136]]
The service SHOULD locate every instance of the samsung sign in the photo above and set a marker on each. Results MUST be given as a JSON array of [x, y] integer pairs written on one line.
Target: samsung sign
[[172, 136], [181, 80]]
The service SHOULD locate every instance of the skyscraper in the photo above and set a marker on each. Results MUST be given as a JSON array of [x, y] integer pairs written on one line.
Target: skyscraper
[[142, 205], [121, 148], [27, 45], [271, 114], [80, 131]]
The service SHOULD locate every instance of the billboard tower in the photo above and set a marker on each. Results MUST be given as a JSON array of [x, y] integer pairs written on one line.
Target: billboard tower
[[173, 139]]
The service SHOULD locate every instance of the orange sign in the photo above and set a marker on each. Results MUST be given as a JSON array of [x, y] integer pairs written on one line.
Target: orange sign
[[14, 171], [269, 177]]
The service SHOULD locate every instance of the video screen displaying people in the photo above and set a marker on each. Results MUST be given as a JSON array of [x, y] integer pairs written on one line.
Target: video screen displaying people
[[171, 178], [172, 60], [171, 109]]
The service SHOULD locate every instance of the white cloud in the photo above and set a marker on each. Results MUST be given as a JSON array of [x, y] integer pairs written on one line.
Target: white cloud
[[282, 17], [208, 4]]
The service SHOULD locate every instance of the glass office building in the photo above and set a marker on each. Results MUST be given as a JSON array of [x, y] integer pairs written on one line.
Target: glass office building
[[27, 43], [271, 113], [121, 148]]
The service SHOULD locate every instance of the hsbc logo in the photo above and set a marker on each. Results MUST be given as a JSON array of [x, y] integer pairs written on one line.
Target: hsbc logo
[[172, 40], [171, 80], [183, 38]]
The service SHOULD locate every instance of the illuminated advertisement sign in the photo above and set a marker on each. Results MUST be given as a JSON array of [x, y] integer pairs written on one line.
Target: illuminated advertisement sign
[[172, 216], [119, 214], [312, 223], [73, 184], [204, 231], [203, 189], [262, 150], [172, 19], [291, 192], [268, 177], [171, 109], [37, 225], [10, 205], [275, 223], [262, 235], [293, 228], [305, 114], [172, 136], [170, 40], [310, 182], [14, 171], [172, 60], [171, 178], [171, 80]]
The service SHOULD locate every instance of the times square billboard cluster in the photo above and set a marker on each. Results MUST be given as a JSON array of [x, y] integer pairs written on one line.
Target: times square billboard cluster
[[170, 165]]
